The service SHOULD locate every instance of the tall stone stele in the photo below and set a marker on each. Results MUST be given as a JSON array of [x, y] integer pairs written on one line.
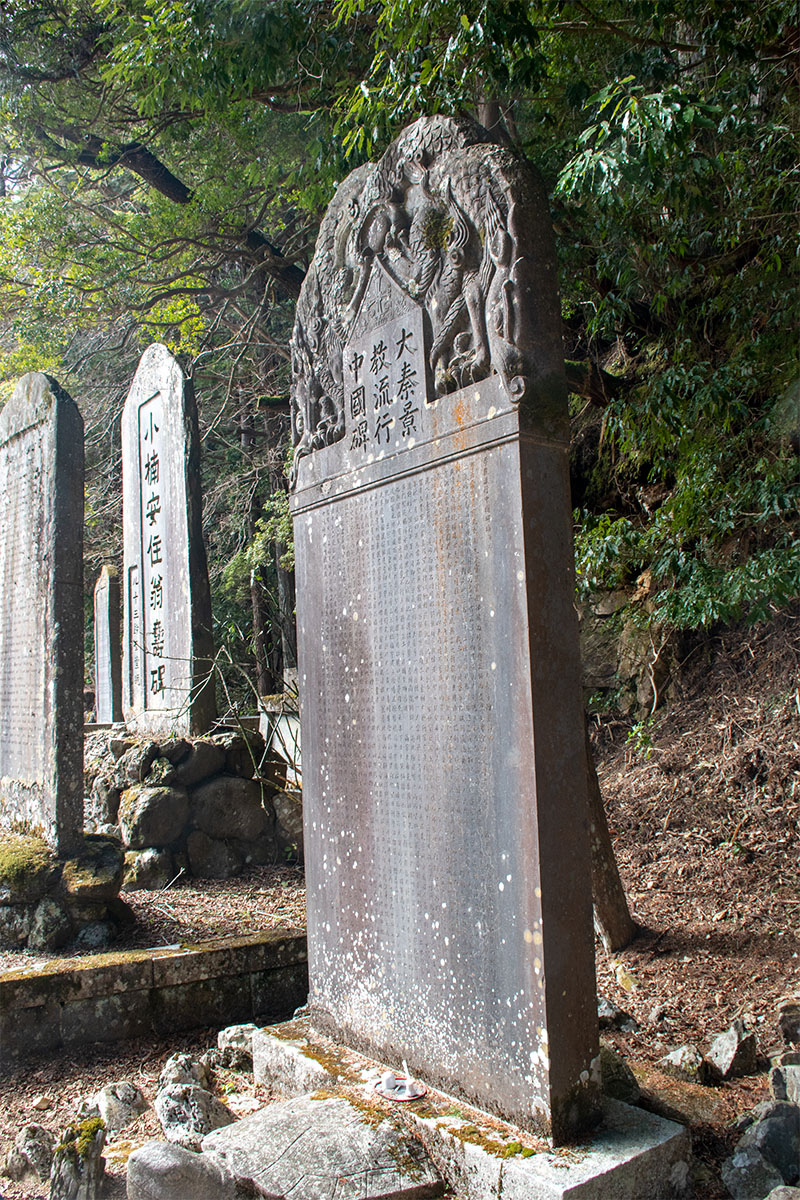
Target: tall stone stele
[[167, 681], [41, 613], [449, 893], [107, 648]]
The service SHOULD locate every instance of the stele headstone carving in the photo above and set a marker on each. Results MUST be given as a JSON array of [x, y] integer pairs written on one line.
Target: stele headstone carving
[[167, 682], [107, 648], [41, 613], [448, 870]]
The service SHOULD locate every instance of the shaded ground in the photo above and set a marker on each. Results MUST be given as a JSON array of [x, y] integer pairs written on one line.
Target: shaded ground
[[704, 806]]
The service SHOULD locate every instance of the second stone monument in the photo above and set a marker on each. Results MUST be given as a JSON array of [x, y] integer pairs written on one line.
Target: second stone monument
[[167, 681], [449, 883]]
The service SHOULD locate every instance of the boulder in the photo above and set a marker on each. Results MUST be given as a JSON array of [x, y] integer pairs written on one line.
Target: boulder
[[120, 745], [51, 925], [230, 807], [789, 1021], [182, 1068], [210, 859], [775, 1134], [188, 1113], [748, 1176], [103, 802], [163, 1171], [119, 1104], [235, 1045], [784, 1082], [203, 760], [259, 853], [15, 925], [609, 1016], [27, 869], [31, 1156], [96, 872], [162, 773], [134, 764], [687, 1063], [734, 1052], [78, 1167], [244, 750], [784, 1193], [616, 1078], [152, 816], [175, 749], [289, 823], [147, 870], [96, 935]]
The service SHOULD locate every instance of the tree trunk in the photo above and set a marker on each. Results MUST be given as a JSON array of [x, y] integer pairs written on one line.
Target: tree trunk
[[612, 917], [265, 683]]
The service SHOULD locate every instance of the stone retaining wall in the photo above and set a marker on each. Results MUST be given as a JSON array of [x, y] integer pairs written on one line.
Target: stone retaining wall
[[110, 997]]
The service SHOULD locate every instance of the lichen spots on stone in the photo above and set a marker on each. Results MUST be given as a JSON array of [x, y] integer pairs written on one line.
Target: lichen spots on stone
[[23, 858]]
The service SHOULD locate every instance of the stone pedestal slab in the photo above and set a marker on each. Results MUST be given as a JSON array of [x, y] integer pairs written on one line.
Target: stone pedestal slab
[[318, 1149], [633, 1155], [107, 648]]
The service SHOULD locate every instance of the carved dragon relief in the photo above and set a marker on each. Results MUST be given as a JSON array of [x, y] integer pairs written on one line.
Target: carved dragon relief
[[436, 223]]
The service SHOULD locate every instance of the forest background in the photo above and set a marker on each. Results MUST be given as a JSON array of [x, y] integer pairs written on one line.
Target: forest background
[[164, 165]]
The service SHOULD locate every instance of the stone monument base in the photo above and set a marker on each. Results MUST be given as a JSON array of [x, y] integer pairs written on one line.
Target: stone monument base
[[634, 1155]]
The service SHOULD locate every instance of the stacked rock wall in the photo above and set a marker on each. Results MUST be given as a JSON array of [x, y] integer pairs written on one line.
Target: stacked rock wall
[[205, 806]]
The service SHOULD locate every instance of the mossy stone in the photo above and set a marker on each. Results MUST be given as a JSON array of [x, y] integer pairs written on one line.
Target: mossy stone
[[95, 873], [27, 869]]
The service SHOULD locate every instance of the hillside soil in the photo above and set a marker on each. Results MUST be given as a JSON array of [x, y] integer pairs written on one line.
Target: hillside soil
[[703, 801]]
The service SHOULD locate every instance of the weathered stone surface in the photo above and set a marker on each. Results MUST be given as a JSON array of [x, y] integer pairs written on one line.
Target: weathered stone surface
[[107, 647], [288, 808], [784, 1193], [188, 1112], [748, 1176], [283, 1063], [162, 1171], [134, 764], [230, 807], [329, 1145], [244, 750], [211, 859], [235, 1045], [28, 869], [96, 935], [776, 1135], [634, 1155], [31, 1155], [15, 925], [119, 1104], [435, 599], [152, 816], [734, 1052], [616, 1078], [167, 646], [149, 870], [203, 760], [789, 1021], [78, 1168], [183, 1069], [784, 1082], [96, 872], [686, 1062], [41, 612], [51, 926], [104, 801]]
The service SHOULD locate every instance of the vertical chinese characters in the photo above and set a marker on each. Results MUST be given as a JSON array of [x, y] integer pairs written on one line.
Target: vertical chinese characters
[[153, 595], [384, 382]]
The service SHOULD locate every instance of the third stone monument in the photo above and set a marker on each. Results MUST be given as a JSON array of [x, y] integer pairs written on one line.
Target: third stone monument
[[449, 886], [107, 648], [167, 684], [41, 613]]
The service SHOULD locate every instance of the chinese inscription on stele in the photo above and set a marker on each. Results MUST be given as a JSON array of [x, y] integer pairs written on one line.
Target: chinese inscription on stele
[[167, 641], [447, 853], [41, 612]]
